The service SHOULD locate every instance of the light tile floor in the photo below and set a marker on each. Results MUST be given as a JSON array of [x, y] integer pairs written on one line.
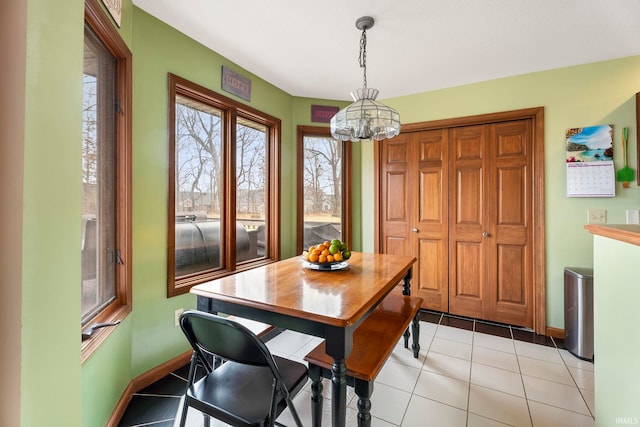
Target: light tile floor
[[464, 378], [461, 378]]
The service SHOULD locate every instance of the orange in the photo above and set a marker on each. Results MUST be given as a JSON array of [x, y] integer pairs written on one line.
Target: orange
[[327, 243], [313, 257], [338, 257], [322, 258], [325, 252], [330, 258]]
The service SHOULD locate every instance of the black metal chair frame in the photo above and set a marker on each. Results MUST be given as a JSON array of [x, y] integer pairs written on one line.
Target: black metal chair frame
[[235, 391]]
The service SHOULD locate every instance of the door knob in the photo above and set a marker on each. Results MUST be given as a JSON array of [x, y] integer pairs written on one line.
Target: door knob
[[415, 230], [485, 234]]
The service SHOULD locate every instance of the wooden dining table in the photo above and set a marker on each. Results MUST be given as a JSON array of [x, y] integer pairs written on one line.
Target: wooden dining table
[[326, 304]]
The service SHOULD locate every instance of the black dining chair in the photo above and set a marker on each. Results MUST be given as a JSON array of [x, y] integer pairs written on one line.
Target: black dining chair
[[250, 388]]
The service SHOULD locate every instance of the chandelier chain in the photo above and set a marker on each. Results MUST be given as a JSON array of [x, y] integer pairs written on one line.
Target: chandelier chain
[[362, 59]]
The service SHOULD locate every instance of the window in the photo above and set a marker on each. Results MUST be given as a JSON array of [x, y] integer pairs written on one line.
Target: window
[[223, 186], [324, 182], [106, 173]]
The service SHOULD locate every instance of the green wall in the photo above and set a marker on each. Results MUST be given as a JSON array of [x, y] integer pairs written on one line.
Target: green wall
[[108, 371], [85, 395], [599, 93], [148, 337], [616, 346], [50, 366]]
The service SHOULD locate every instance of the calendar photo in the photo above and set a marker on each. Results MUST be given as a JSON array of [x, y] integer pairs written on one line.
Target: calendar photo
[[589, 160], [589, 144]]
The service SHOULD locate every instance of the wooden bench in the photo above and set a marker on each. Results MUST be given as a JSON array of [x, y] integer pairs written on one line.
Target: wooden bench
[[373, 342]]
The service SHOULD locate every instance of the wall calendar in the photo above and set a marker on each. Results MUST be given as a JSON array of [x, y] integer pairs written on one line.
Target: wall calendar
[[589, 160]]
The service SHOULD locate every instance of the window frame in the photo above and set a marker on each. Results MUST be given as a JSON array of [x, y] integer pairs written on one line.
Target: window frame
[[117, 310], [323, 132], [231, 110]]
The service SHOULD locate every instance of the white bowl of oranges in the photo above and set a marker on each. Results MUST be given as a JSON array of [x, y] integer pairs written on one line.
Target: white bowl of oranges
[[329, 255]]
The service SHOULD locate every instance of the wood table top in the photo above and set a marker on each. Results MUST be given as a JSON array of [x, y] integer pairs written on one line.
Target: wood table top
[[337, 298]]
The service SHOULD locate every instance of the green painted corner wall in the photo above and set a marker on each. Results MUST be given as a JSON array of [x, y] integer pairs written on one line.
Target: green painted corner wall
[[51, 215], [87, 394], [159, 50], [586, 95], [13, 43]]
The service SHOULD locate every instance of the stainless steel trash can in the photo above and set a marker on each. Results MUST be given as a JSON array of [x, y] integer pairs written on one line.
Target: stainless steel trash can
[[578, 312]]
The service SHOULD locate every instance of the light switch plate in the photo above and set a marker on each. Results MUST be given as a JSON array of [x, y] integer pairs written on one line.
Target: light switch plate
[[633, 216], [176, 316], [597, 216]]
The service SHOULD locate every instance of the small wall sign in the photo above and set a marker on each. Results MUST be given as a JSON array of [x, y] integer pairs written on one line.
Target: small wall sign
[[236, 84], [323, 113], [115, 9]]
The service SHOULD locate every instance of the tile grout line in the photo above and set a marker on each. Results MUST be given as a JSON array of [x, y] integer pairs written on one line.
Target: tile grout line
[[564, 362], [474, 327], [473, 339], [421, 369], [524, 389]]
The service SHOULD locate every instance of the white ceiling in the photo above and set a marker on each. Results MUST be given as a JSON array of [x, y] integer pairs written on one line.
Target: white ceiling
[[310, 48]]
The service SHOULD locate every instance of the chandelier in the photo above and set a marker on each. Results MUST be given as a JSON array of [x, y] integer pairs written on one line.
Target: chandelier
[[365, 118]]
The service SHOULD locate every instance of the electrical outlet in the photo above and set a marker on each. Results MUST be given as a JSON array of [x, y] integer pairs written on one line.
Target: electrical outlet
[[176, 316], [597, 216], [633, 216]]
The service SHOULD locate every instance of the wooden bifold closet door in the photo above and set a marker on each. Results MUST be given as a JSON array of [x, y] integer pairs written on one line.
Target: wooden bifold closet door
[[461, 200], [414, 216]]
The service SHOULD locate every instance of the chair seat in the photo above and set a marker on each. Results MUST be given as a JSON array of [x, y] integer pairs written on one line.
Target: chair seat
[[217, 393]]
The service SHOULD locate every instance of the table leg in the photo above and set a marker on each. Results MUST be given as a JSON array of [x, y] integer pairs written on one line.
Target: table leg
[[406, 284], [338, 393]]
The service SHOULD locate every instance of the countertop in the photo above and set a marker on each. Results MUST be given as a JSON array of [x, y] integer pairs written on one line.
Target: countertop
[[629, 233]]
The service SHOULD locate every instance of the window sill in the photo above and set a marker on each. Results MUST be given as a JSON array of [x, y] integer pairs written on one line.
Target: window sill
[[182, 286], [100, 335]]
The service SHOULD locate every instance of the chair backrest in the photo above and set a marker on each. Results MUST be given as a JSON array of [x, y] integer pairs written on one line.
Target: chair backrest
[[224, 338]]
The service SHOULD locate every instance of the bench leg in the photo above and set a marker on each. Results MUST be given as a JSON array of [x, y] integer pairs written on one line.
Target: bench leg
[[406, 290], [315, 373], [364, 390], [415, 327]]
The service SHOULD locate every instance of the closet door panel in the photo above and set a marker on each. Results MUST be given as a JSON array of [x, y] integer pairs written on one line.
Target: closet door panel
[[467, 216], [430, 225], [510, 287], [396, 210]]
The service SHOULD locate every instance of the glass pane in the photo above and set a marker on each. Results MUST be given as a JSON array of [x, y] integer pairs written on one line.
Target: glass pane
[[251, 191], [98, 178], [198, 192], [322, 181]]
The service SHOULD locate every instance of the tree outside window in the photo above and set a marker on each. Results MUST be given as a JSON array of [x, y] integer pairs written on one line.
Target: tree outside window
[[323, 187], [223, 213]]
